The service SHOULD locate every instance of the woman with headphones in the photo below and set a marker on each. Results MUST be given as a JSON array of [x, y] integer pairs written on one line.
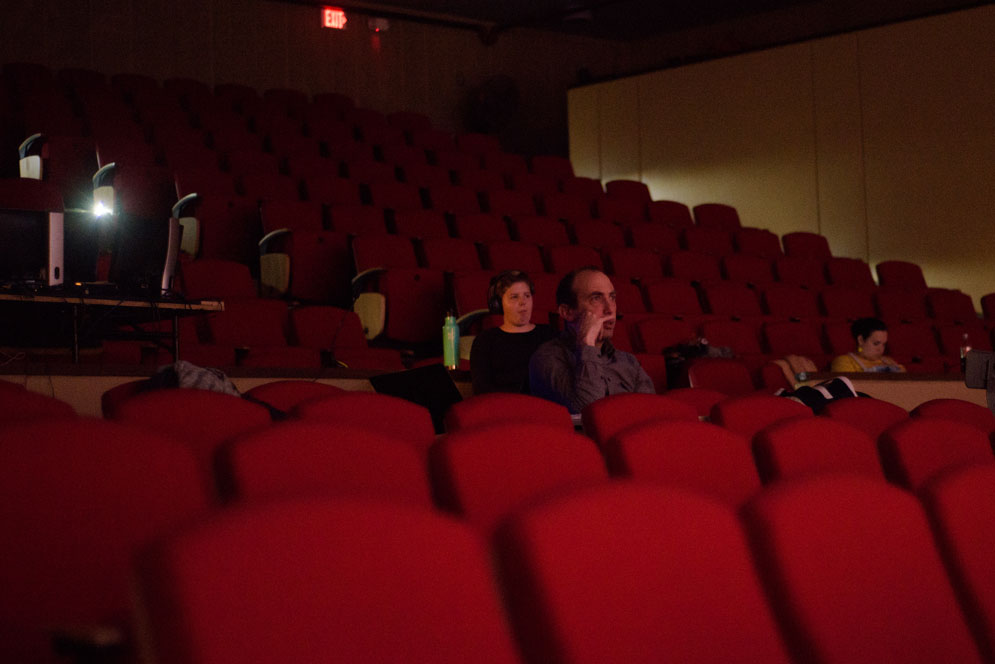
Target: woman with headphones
[[499, 357]]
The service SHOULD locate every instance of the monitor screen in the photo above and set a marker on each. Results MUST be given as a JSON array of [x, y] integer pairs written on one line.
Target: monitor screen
[[143, 254], [23, 247]]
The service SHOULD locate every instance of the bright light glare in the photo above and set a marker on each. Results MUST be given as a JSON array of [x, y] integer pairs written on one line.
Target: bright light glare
[[100, 210]]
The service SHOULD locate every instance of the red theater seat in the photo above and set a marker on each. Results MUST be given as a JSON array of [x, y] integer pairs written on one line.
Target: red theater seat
[[696, 456], [963, 513], [758, 242], [800, 271], [849, 273], [747, 269], [598, 234], [564, 258], [606, 417], [566, 206], [620, 210], [654, 237], [900, 306], [919, 449], [657, 333], [675, 297], [634, 263], [839, 554], [200, 419], [702, 398], [632, 190], [589, 189], [382, 413], [323, 458], [901, 275], [484, 474], [422, 224], [803, 244], [711, 241], [810, 446], [750, 413], [80, 497], [21, 405], [692, 266], [843, 303], [552, 165], [732, 300], [635, 574], [791, 302], [726, 375], [450, 254], [951, 306], [314, 579], [481, 227], [510, 255], [505, 408], [339, 333], [958, 410], [872, 416], [453, 199], [718, 216]]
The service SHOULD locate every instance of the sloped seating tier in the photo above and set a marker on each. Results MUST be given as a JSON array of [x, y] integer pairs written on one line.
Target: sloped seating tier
[[305, 167]]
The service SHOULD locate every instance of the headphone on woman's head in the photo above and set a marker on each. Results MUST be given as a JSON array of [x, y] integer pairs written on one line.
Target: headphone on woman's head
[[493, 299]]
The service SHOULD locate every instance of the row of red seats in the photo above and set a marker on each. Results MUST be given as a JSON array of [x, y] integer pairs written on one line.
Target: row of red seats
[[628, 556], [603, 421], [756, 343], [657, 449], [136, 108], [254, 331], [732, 315], [185, 101]]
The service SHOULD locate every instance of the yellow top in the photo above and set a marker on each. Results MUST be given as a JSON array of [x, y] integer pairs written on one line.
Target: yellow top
[[853, 363]]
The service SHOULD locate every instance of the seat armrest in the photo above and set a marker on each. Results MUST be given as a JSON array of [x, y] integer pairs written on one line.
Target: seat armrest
[[360, 281]]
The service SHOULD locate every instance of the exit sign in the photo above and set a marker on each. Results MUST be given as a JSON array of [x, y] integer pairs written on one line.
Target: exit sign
[[333, 17]]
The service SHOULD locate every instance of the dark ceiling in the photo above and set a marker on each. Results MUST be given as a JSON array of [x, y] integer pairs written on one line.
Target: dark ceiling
[[630, 20]]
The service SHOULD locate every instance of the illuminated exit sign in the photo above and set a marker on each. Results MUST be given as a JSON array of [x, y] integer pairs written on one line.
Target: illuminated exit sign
[[333, 17]]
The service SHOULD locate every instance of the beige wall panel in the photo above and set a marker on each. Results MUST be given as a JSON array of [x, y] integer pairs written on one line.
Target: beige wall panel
[[585, 146], [929, 110], [619, 129], [883, 140], [839, 145], [737, 131]]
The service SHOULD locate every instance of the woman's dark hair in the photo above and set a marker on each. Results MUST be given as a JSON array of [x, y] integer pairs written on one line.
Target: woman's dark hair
[[865, 327], [506, 280]]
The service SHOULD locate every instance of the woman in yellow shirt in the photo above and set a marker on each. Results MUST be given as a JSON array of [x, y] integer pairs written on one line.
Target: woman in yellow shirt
[[871, 336]]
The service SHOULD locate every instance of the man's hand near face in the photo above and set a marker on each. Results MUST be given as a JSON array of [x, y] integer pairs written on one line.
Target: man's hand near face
[[589, 328]]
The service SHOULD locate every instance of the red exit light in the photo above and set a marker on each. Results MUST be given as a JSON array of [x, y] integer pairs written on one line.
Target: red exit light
[[333, 17]]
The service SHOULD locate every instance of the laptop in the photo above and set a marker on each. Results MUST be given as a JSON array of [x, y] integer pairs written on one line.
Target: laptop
[[429, 386]]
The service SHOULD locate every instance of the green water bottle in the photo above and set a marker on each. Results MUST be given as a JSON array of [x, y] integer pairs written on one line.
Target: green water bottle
[[450, 342]]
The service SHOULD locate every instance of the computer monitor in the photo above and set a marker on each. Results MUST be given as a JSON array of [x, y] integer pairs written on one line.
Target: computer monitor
[[31, 233], [143, 236], [979, 373], [979, 369]]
